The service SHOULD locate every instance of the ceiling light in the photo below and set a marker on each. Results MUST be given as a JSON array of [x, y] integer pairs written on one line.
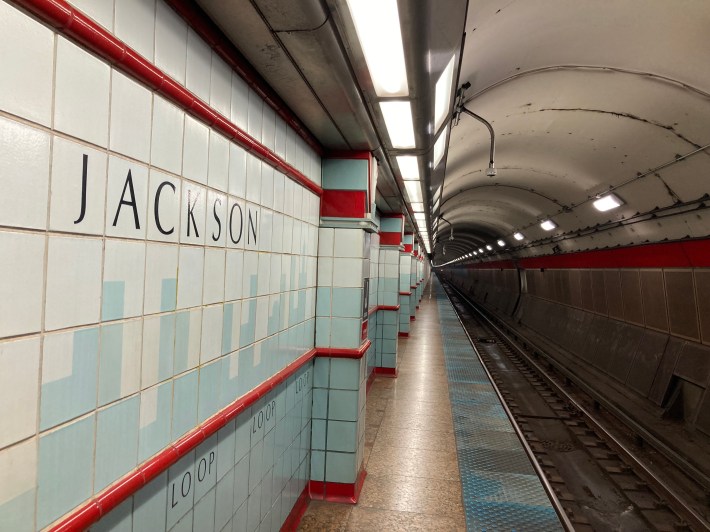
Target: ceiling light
[[417, 207], [480, 250], [440, 146], [489, 247], [608, 202], [378, 29], [475, 252], [414, 191], [408, 166], [398, 119], [442, 100], [501, 243], [548, 225], [518, 236]]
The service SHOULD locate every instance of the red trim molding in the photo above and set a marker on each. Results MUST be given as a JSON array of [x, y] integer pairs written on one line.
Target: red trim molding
[[336, 491], [405, 293], [387, 372], [412, 318], [403, 334], [92, 510], [340, 352], [294, 518], [73, 24], [389, 307], [344, 203]]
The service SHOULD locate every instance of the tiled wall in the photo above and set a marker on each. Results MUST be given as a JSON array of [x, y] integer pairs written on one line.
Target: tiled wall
[[154, 270], [405, 298], [388, 295]]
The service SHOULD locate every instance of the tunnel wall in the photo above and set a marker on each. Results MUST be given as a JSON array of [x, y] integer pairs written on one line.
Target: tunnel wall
[[647, 328], [153, 272]]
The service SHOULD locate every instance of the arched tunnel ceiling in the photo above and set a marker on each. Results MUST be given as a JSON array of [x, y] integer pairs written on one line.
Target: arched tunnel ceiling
[[583, 96]]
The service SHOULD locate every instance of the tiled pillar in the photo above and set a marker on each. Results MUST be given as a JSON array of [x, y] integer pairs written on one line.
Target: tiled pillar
[[405, 291], [342, 304], [391, 235]]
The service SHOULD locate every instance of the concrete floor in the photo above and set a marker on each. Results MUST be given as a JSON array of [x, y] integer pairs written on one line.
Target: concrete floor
[[413, 478]]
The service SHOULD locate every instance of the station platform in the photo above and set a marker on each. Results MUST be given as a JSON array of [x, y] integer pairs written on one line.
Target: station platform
[[441, 453]]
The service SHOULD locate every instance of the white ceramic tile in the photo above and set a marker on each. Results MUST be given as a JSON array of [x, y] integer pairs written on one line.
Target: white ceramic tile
[[194, 202], [166, 138], [81, 97], [211, 345], [347, 272], [325, 271], [221, 86], [267, 186], [268, 128], [349, 243], [218, 171], [264, 267], [255, 115], [124, 261], [237, 170], [73, 282], [21, 280], [126, 198], [262, 318], [135, 25], [24, 167], [164, 196], [153, 369], [236, 223], [240, 102], [72, 208], [280, 137], [289, 191], [131, 108], [193, 347], [19, 472], [253, 178], [287, 234], [233, 275], [277, 233], [213, 290], [265, 229], [27, 49], [279, 191], [190, 273], [199, 57], [195, 150], [297, 202], [19, 380], [290, 146], [217, 219], [250, 274], [161, 267], [275, 275], [170, 42], [326, 242], [99, 10]]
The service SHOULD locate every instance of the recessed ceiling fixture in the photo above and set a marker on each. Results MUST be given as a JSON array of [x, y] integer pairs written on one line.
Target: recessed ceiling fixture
[[475, 252], [440, 146], [398, 119], [380, 34], [408, 167], [548, 225], [489, 247], [501, 243], [414, 191], [518, 236], [442, 98], [608, 202], [417, 207], [480, 250]]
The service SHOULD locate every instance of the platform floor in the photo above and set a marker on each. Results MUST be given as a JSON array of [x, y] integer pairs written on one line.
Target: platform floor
[[436, 424]]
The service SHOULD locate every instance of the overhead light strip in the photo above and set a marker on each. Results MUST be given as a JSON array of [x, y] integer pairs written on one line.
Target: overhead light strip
[[398, 119], [440, 146], [442, 96]]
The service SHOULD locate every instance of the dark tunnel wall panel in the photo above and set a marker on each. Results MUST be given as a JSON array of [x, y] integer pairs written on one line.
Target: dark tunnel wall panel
[[612, 282], [598, 292], [702, 287], [648, 355], [654, 299], [631, 296], [682, 309], [693, 364], [575, 280], [586, 284]]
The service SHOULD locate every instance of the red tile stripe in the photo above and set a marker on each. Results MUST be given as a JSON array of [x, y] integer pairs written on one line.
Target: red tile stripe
[[294, 517], [75, 25], [390, 239], [336, 491], [376, 308], [339, 352], [344, 203]]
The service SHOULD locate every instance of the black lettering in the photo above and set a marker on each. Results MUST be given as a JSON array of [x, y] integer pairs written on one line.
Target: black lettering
[[156, 209], [200, 471], [132, 203], [84, 173], [260, 421], [187, 476], [173, 502], [231, 224], [212, 457], [252, 227], [268, 412], [191, 214], [219, 222], [253, 425]]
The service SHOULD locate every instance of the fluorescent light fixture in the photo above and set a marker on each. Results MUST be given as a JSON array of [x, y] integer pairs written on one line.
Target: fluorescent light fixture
[[518, 236], [408, 166], [480, 250], [548, 225], [417, 207], [414, 191], [608, 202], [398, 119], [440, 146], [380, 34], [475, 252], [501, 243], [489, 247], [442, 98]]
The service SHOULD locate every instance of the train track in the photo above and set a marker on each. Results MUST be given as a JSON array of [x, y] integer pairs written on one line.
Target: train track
[[598, 478]]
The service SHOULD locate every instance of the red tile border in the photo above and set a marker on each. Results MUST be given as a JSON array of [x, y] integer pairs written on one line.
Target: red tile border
[[294, 517], [387, 372], [344, 203], [341, 352], [403, 334], [336, 491]]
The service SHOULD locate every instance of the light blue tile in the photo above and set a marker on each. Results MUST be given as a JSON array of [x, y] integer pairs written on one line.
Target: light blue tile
[[389, 346], [168, 294], [206, 467], [342, 436], [203, 519], [274, 315], [167, 347], [227, 318], [318, 434], [150, 505], [65, 469], [181, 489], [345, 174], [241, 481], [323, 301], [112, 300], [318, 466], [342, 405], [185, 524], [389, 360], [391, 225], [345, 374], [18, 514], [320, 403], [225, 449], [154, 436], [345, 333], [267, 458], [321, 372], [184, 404], [247, 379], [210, 382], [66, 398], [242, 435], [116, 441], [117, 520], [224, 504], [347, 302], [340, 467], [182, 339], [229, 388], [247, 330], [240, 519], [255, 462], [110, 363]]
